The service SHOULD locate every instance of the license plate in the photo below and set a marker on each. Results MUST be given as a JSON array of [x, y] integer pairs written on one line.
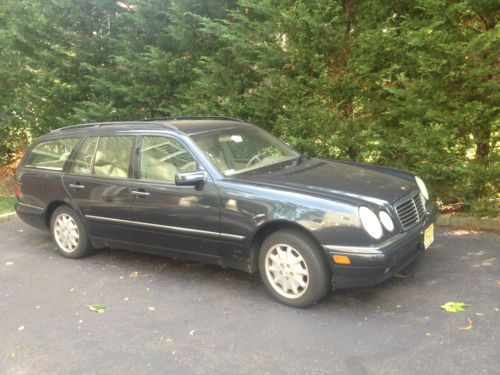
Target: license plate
[[429, 236]]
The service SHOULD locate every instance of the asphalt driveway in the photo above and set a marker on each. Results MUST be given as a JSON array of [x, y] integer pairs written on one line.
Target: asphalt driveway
[[168, 316]]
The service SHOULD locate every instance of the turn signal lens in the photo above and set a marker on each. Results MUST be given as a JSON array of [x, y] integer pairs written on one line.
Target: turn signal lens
[[341, 259]]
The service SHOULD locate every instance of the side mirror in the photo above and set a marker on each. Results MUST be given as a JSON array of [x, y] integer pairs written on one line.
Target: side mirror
[[190, 178]]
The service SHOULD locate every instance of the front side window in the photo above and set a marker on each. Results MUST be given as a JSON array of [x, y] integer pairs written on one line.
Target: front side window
[[112, 156], [52, 154], [162, 157], [235, 151]]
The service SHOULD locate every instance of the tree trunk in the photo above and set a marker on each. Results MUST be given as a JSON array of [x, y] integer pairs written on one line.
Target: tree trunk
[[483, 137]]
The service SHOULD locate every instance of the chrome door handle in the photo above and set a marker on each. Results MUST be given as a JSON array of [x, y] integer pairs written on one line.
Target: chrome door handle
[[77, 186], [140, 193]]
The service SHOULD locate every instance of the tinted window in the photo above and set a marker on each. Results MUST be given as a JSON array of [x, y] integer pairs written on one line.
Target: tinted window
[[112, 156], [51, 154], [162, 157], [83, 158]]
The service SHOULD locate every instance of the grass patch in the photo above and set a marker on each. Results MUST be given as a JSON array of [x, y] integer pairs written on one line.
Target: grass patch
[[483, 208], [7, 204], [475, 208]]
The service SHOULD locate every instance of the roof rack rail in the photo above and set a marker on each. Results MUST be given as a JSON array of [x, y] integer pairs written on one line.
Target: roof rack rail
[[71, 127], [103, 124], [166, 118]]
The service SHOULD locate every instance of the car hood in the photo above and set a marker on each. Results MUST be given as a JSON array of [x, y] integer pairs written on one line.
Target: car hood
[[340, 179]]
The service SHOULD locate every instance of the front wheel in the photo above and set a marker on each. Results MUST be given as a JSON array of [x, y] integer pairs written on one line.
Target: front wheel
[[293, 269], [69, 233]]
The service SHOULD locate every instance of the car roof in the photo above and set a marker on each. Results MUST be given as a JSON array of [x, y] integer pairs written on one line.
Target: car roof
[[183, 125]]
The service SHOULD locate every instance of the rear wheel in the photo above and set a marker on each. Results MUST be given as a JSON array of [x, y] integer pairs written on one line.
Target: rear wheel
[[293, 269], [69, 233]]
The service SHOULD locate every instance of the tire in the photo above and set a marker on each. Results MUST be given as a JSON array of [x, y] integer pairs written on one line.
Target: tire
[[293, 269], [69, 233]]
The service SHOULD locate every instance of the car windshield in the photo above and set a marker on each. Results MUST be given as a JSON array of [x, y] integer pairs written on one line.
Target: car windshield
[[239, 150]]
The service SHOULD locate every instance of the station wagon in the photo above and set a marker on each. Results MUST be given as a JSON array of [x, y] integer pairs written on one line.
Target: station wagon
[[221, 191]]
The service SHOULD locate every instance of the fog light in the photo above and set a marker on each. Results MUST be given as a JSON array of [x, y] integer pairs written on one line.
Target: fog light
[[341, 259]]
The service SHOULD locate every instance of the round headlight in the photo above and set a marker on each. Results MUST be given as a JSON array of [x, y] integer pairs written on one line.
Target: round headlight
[[370, 222], [422, 187], [386, 221]]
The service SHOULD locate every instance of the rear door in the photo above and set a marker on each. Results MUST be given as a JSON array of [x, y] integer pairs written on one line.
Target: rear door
[[98, 183], [171, 217]]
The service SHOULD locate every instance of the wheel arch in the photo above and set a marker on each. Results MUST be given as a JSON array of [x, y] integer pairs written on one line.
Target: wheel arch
[[52, 206], [271, 227]]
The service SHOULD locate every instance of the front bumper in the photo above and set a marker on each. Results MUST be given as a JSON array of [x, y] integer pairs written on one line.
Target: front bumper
[[373, 265]]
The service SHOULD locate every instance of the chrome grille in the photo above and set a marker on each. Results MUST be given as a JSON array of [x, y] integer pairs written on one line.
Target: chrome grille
[[410, 210]]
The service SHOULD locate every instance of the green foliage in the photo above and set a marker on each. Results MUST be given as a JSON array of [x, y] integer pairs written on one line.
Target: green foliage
[[406, 84], [7, 204]]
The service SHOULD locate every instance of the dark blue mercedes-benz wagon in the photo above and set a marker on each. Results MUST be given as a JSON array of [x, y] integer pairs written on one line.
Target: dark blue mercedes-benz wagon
[[222, 191]]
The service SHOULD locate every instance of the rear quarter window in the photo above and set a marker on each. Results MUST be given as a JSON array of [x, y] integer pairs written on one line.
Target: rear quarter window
[[51, 154]]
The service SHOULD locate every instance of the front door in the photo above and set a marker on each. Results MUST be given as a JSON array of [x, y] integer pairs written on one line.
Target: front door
[[171, 217]]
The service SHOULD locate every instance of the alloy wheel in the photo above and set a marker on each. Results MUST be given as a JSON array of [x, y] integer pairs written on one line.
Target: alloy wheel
[[286, 271], [66, 233]]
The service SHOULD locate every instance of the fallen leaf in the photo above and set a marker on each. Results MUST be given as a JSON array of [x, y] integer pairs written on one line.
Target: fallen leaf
[[398, 306], [125, 299], [162, 266], [134, 274], [38, 307], [72, 290], [498, 282], [191, 333], [397, 274], [151, 308], [468, 326], [168, 340], [454, 306], [98, 308], [428, 334], [19, 348], [479, 314], [9, 263], [21, 328], [20, 230]]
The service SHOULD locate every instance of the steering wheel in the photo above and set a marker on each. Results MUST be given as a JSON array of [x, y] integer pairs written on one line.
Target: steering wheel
[[255, 159]]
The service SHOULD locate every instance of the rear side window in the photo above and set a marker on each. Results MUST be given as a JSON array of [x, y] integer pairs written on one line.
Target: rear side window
[[112, 156], [83, 157], [51, 154]]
